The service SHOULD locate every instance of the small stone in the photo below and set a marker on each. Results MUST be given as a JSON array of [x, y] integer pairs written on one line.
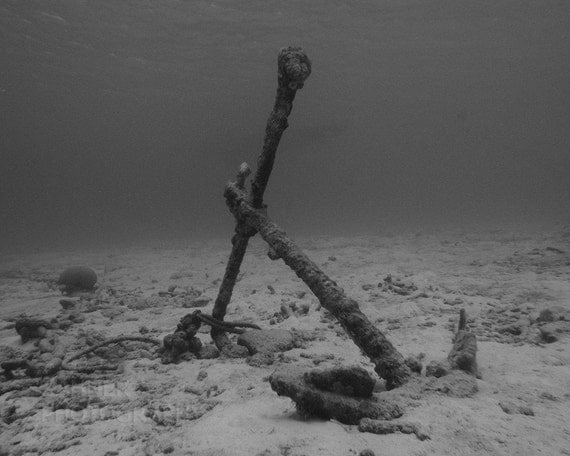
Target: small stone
[[45, 346], [261, 359], [76, 317], [547, 335], [67, 304], [367, 452], [208, 352], [29, 328], [453, 302], [195, 345], [64, 324], [526, 410], [112, 312], [554, 313], [201, 375], [195, 302], [546, 315], [75, 400], [42, 331], [507, 407], [287, 309], [304, 309], [234, 351], [511, 408], [548, 396], [437, 369], [513, 329], [388, 427], [414, 363], [455, 384]]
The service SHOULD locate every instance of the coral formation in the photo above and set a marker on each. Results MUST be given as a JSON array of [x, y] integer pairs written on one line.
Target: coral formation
[[77, 278]]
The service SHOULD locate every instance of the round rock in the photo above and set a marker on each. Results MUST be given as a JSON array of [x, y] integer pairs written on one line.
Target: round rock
[[77, 278]]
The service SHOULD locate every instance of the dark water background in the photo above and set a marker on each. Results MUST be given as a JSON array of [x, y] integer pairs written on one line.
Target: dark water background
[[121, 120]]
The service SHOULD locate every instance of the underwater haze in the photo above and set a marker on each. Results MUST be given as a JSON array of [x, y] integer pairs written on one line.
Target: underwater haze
[[122, 120]]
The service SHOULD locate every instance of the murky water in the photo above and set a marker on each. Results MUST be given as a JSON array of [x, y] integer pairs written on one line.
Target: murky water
[[123, 119]]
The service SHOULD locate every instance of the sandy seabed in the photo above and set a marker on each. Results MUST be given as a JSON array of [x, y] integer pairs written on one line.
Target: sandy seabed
[[513, 284]]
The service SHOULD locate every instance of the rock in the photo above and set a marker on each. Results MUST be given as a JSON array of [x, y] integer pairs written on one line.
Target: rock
[[177, 347], [396, 286], [286, 310], [266, 340], [73, 399], [437, 369], [64, 324], [312, 401], [112, 312], [453, 302], [76, 317], [190, 302], [208, 352], [261, 359], [77, 278], [67, 304], [548, 396], [514, 329], [195, 345], [389, 427], [526, 410], [351, 381], [304, 309], [50, 367], [545, 316], [30, 328], [456, 384], [9, 365], [553, 313], [511, 408], [234, 351], [551, 332], [414, 363], [45, 346], [202, 375], [547, 334]]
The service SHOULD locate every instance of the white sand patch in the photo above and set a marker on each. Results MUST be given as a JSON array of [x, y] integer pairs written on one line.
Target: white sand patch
[[226, 407]]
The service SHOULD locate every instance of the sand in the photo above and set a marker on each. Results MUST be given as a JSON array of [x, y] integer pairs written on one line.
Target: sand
[[503, 278]]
